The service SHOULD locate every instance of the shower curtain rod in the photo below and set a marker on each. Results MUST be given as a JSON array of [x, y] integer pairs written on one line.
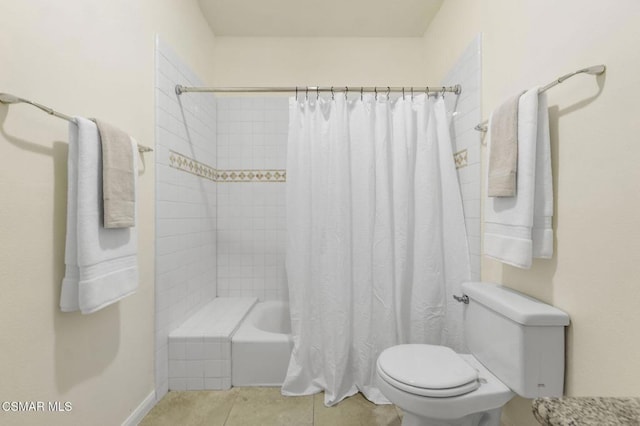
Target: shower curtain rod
[[457, 89], [9, 99], [593, 70]]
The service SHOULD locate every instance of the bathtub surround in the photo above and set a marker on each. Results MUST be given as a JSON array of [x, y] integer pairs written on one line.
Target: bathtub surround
[[200, 349], [370, 183], [249, 173], [231, 341], [185, 203], [251, 226]]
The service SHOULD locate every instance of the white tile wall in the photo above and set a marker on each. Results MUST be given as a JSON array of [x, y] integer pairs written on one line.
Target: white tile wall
[[465, 110], [186, 205], [252, 134]]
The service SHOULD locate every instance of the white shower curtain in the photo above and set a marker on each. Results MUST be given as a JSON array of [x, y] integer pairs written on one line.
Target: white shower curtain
[[376, 241]]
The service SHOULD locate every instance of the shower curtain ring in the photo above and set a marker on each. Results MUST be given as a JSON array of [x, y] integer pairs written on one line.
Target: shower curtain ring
[[346, 93], [361, 93], [403, 93], [388, 92], [306, 94], [426, 91], [317, 92], [296, 93], [375, 89], [444, 89], [333, 97], [412, 93]]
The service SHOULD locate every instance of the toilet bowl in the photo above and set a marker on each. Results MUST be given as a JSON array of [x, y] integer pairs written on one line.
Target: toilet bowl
[[516, 345], [475, 403]]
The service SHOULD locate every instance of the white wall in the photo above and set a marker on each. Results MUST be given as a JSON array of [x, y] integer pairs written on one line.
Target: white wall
[[185, 202], [92, 58], [594, 122], [310, 61]]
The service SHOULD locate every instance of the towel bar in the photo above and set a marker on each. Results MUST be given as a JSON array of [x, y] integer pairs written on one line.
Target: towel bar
[[9, 99], [593, 70]]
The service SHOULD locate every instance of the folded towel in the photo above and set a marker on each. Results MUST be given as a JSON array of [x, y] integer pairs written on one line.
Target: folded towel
[[503, 157], [509, 220], [101, 264], [542, 234], [118, 178]]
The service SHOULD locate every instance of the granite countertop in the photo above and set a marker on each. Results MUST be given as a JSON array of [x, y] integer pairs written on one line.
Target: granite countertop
[[587, 411]]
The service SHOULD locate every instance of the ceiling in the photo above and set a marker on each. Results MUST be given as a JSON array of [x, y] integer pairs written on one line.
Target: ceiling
[[319, 18]]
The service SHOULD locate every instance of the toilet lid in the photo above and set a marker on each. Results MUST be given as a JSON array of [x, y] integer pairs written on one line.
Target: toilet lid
[[427, 370]]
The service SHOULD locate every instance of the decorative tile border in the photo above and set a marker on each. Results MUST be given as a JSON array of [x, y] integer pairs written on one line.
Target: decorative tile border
[[189, 165], [251, 176], [460, 159]]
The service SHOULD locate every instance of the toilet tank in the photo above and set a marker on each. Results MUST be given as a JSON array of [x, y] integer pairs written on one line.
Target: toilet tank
[[518, 338]]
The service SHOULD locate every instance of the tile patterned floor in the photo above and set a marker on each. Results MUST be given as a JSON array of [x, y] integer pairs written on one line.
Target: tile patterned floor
[[265, 407]]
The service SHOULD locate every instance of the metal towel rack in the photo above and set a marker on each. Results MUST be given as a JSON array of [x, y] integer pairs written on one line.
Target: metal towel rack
[[9, 99], [593, 70]]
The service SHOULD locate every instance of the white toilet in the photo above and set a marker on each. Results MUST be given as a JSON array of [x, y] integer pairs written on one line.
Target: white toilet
[[517, 347]]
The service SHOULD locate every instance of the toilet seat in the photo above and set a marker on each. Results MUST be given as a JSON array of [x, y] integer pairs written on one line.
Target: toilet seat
[[427, 370]]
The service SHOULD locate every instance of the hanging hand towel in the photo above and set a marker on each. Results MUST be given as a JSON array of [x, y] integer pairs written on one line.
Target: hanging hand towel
[[509, 220], [503, 158], [118, 177], [101, 264]]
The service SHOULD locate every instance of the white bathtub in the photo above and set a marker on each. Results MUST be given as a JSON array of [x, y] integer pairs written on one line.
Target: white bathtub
[[261, 347]]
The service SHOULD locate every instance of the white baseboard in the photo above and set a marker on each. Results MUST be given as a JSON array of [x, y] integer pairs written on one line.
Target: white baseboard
[[141, 410]]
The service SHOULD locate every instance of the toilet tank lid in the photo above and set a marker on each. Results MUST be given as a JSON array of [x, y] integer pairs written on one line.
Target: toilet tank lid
[[514, 305]]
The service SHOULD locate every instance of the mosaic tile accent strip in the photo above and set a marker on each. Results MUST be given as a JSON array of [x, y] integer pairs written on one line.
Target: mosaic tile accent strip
[[189, 165], [251, 176], [460, 159]]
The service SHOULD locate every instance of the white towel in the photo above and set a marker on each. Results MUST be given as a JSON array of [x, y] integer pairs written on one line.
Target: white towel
[[101, 264], [509, 232], [542, 234]]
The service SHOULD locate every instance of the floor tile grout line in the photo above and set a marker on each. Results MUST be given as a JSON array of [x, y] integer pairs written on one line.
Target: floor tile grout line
[[230, 408]]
